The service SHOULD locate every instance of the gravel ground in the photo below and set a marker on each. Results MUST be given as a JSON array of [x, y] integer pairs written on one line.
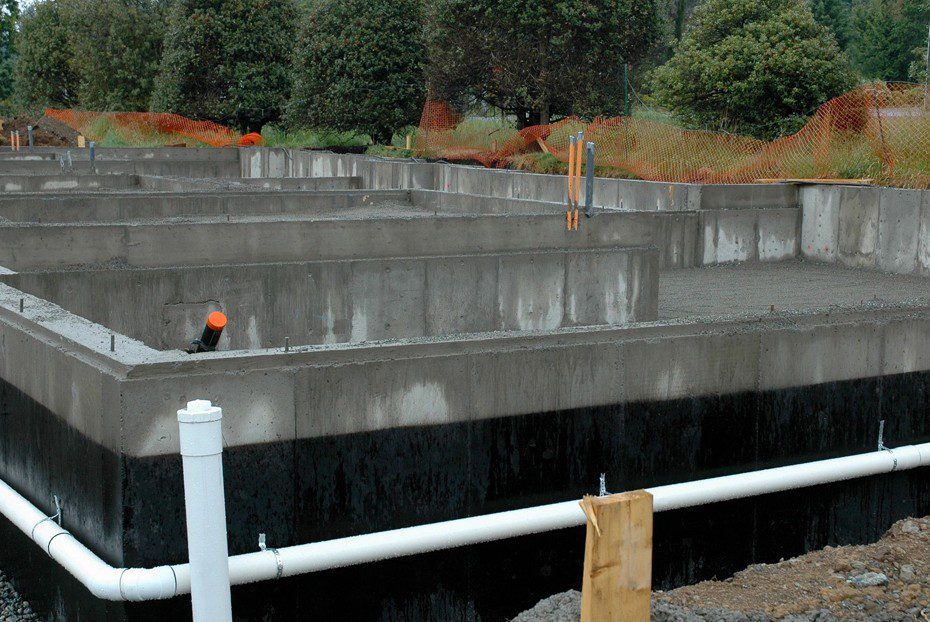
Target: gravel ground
[[12, 607], [888, 581]]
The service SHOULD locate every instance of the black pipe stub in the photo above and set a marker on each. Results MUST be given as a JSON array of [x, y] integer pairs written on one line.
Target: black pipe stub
[[212, 331]]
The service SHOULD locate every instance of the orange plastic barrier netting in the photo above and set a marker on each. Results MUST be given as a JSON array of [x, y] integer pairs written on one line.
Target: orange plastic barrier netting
[[878, 131], [146, 128]]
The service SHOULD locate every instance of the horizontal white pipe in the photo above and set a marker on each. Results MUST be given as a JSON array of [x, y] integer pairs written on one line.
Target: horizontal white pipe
[[111, 583]]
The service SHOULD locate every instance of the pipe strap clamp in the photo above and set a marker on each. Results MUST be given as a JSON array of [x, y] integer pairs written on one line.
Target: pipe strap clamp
[[278, 562], [894, 458]]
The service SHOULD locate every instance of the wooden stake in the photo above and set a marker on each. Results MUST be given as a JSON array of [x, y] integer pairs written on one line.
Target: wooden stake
[[81, 141], [617, 583], [408, 142]]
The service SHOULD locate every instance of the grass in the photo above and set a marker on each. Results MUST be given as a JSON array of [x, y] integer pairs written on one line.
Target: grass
[[654, 145], [108, 134], [314, 138], [549, 164]]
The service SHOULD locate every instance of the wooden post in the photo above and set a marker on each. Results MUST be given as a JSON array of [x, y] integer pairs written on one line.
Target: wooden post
[[81, 141], [408, 142], [617, 583]]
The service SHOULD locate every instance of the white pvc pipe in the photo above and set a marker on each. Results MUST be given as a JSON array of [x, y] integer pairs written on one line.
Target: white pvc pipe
[[167, 581], [201, 438]]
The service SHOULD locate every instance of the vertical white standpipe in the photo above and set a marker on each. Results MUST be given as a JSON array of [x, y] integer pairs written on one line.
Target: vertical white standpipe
[[201, 435]]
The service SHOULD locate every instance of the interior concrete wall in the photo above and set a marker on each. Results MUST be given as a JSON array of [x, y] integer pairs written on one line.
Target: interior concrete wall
[[886, 229], [57, 183], [211, 242], [94, 207], [230, 154], [364, 300], [380, 173], [181, 167]]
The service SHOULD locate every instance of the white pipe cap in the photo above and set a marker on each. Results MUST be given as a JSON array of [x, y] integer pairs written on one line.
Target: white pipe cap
[[200, 411]]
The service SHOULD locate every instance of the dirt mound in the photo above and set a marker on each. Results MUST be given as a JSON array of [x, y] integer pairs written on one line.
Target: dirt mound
[[888, 581], [46, 132]]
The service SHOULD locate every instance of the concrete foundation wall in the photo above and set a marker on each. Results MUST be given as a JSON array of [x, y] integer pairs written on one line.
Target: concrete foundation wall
[[181, 167], [886, 229], [696, 224], [322, 391], [176, 154], [121, 207], [683, 239], [358, 301], [379, 173], [148, 245], [318, 393], [58, 183]]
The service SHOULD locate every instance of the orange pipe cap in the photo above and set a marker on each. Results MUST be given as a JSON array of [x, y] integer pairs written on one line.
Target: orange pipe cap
[[216, 321]]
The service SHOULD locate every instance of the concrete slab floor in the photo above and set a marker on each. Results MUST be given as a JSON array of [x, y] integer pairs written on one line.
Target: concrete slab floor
[[791, 286]]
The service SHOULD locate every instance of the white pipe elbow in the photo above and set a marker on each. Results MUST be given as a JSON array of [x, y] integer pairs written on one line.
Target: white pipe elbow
[[138, 584]]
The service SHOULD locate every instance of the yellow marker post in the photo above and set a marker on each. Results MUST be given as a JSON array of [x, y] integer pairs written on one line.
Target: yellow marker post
[[571, 170], [579, 145], [571, 182]]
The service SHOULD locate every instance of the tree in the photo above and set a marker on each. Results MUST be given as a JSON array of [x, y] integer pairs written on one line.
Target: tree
[[358, 65], [9, 13], [117, 47], [753, 66], [917, 71], [537, 59], [43, 74], [227, 60], [834, 14], [885, 35]]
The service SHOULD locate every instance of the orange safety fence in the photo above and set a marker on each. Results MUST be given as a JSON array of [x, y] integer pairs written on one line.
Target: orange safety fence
[[876, 131], [146, 128]]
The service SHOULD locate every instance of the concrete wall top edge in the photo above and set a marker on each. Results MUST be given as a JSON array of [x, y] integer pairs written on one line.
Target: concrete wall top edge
[[81, 337], [176, 362], [387, 259], [244, 191]]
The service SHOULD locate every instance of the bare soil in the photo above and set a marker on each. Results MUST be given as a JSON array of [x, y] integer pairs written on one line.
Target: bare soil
[[46, 132], [885, 581]]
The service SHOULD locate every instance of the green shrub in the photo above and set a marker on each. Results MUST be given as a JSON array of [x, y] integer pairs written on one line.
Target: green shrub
[[227, 60], [358, 66], [886, 33], [116, 47], [9, 13], [43, 72], [752, 66]]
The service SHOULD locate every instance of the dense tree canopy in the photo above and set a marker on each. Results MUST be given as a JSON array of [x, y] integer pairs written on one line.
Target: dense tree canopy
[[44, 74], [116, 50], [753, 66], [227, 60], [886, 34], [834, 14], [9, 13], [358, 65], [537, 59]]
